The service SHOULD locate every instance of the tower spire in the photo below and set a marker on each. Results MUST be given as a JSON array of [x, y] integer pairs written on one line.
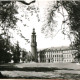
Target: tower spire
[[33, 31]]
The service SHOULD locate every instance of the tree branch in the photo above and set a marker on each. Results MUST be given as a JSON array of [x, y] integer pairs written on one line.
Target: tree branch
[[26, 3]]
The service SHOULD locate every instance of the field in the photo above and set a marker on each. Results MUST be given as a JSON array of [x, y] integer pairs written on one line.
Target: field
[[41, 71]]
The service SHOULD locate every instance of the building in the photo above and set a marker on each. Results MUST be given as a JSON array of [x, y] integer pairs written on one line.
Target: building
[[34, 45], [51, 55], [57, 56]]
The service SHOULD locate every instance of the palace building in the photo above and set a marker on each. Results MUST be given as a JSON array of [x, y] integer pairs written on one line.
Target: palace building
[[57, 56], [51, 55]]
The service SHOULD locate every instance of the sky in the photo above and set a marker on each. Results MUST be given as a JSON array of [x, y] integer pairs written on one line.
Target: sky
[[28, 21]]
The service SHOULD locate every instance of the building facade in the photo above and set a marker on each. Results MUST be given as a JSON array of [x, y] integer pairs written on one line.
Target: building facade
[[57, 56]]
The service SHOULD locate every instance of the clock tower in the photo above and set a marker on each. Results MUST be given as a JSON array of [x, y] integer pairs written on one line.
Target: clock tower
[[34, 46]]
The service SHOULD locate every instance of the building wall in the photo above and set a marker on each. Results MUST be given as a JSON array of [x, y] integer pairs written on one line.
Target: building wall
[[56, 56]]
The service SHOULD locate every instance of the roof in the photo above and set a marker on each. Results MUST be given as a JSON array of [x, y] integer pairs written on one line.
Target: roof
[[54, 49]]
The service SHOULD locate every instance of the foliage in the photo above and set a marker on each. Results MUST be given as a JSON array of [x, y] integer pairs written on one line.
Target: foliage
[[8, 9], [24, 55], [73, 7], [73, 10], [16, 53], [30, 57], [8, 20], [50, 23], [5, 55], [7, 14]]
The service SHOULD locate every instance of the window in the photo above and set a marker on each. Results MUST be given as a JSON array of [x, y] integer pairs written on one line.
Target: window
[[69, 55], [70, 60], [51, 54], [67, 60]]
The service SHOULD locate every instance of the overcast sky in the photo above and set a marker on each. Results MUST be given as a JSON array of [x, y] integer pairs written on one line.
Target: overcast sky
[[28, 22]]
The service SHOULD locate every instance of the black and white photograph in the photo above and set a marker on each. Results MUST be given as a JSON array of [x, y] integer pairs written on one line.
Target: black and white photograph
[[40, 39]]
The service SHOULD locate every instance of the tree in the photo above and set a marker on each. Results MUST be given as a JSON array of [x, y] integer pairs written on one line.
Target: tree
[[7, 20], [24, 56], [5, 55], [72, 20], [27, 3], [16, 53], [7, 14], [73, 10], [30, 57], [8, 9]]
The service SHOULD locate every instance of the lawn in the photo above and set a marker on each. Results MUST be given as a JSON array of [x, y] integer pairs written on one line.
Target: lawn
[[41, 70]]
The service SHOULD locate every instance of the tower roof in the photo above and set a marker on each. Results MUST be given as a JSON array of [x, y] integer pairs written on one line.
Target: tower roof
[[33, 31]]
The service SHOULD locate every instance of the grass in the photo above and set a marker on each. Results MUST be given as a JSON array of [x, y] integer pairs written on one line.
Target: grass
[[41, 71]]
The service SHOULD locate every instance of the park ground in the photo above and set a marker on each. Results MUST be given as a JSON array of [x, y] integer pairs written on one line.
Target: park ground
[[67, 71]]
